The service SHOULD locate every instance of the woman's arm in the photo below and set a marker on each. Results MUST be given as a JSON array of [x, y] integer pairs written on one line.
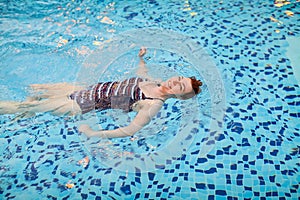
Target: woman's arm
[[147, 111], [142, 70]]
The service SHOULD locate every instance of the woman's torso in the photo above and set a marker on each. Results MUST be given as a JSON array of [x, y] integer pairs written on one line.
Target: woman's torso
[[116, 95]]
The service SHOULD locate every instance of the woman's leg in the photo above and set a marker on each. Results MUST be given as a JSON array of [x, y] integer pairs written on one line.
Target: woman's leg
[[45, 98]]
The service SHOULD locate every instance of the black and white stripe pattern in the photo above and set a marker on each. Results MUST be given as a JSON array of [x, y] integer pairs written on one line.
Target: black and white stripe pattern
[[102, 92]]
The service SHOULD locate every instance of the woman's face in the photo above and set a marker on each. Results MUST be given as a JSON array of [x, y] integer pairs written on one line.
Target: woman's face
[[179, 86]]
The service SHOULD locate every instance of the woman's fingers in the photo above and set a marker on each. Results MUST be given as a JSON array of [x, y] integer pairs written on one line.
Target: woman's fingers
[[142, 51], [86, 129]]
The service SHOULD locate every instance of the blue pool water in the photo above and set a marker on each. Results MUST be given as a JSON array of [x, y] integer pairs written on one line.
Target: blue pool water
[[239, 139]]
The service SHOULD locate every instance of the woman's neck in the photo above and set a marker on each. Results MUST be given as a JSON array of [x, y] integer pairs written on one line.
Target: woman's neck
[[154, 90]]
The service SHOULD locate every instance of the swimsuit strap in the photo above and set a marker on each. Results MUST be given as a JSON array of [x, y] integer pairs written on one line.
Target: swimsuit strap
[[150, 98]]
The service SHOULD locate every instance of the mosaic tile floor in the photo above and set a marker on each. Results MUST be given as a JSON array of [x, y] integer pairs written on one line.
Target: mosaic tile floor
[[255, 157]]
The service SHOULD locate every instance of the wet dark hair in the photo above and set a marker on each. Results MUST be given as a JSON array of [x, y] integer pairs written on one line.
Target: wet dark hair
[[196, 85]]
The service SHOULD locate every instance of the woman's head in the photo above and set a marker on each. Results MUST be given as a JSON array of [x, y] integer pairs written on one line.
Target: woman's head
[[182, 87]]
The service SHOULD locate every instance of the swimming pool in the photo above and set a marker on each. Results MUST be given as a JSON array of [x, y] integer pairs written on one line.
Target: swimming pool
[[251, 44]]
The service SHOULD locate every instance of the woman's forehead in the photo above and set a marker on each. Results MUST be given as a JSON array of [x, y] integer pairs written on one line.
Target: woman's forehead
[[182, 79], [187, 80], [188, 83]]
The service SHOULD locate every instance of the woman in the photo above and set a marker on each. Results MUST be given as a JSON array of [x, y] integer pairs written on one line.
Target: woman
[[135, 94]]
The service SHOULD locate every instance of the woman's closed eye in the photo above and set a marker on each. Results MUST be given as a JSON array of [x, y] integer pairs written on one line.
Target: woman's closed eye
[[182, 87]]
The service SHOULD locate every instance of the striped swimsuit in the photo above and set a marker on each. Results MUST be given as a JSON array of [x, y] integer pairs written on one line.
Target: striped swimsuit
[[116, 95]]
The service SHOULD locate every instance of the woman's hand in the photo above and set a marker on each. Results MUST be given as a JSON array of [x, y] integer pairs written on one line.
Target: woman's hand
[[142, 52], [86, 129]]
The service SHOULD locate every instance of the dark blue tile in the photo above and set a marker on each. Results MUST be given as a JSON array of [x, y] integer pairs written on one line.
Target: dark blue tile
[[126, 189], [221, 192]]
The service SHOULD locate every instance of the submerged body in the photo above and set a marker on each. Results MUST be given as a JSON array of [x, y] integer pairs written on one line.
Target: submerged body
[[116, 95], [134, 94]]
